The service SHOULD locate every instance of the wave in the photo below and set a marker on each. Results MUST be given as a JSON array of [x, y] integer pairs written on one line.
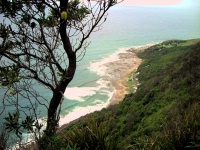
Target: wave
[[100, 67], [104, 87], [78, 93], [82, 111]]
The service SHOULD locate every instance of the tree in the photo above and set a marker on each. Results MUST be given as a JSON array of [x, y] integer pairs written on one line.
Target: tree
[[36, 39]]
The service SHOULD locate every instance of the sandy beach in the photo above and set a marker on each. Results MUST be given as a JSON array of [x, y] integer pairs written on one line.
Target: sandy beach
[[115, 71], [120, 69]]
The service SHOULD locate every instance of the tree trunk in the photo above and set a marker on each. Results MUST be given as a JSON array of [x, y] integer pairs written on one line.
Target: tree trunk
[[67, 77], [57, 95]]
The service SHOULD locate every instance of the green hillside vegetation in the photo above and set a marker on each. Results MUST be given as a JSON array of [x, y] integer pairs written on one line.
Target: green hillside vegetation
[[164, 113]]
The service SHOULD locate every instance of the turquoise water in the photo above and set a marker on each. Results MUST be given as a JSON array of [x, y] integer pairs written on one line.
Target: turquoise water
[[126, 26], [129, 26]]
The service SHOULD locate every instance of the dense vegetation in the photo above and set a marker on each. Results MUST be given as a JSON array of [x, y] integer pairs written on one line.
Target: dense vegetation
[[164, 113]]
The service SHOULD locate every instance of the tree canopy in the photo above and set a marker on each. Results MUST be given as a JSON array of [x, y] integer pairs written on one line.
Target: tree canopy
[[40, 44]]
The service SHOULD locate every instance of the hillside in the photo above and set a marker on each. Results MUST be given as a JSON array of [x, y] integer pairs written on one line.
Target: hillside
[[164, 113]]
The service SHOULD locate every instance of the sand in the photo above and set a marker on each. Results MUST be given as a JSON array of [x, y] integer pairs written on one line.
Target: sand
[[120, 69], [115, 69]]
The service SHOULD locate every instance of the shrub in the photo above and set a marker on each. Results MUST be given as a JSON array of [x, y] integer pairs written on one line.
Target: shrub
[[182, 130], [93, 136]]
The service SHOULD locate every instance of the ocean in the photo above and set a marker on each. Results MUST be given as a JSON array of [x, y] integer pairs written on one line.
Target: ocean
[[126, 27]]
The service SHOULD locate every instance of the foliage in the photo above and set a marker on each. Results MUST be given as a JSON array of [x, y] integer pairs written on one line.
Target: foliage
[[33, 51], [9, 75], [76, 12], [15, 124], [143, 120], [92, 136], [164, 111], [183, 130], [37, 48]]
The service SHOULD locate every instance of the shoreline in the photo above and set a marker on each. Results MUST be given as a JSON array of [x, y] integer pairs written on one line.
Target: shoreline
[[116, 71], [120, 69]]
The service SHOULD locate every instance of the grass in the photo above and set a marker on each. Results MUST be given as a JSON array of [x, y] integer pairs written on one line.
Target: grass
[[162, 114], [132, 82], [168, 83]]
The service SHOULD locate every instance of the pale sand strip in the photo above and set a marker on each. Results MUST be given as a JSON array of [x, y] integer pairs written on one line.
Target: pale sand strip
[[120, 70], [117, 72]]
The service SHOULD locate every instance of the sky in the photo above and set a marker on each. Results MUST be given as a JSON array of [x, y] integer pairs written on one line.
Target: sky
[[172, 3], [152, 2]]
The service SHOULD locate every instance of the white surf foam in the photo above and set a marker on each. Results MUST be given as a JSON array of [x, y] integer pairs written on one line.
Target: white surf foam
[[78, 93], [81, 111], [104, 87], [99, 67]]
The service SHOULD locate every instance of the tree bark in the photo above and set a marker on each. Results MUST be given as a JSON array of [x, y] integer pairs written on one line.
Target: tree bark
[[57, 95], [67, 77]]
